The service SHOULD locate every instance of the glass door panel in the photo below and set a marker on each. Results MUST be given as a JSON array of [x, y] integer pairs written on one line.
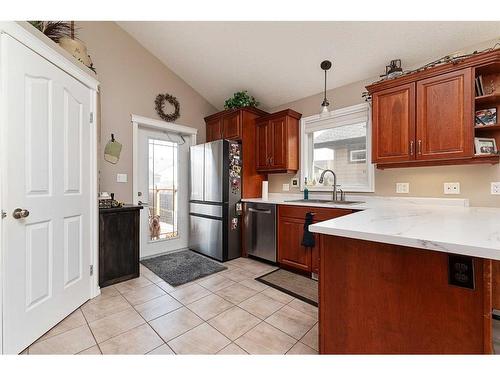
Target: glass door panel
[[162, 189]]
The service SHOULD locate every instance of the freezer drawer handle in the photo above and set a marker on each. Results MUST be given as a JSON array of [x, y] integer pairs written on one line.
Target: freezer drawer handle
[[259, 211]]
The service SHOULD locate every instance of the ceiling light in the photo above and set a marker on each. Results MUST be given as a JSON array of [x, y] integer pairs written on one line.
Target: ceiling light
[[325, 65]]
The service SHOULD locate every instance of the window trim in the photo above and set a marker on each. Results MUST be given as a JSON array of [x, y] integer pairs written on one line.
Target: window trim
[[339, 117]]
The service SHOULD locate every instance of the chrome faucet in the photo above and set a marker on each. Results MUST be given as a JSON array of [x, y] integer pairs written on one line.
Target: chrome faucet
[[321, 179]]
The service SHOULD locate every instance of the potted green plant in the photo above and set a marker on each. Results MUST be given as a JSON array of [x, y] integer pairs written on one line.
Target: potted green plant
[[241, 99]]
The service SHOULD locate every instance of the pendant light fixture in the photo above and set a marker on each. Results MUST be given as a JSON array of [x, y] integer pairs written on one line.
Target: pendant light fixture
[[325, 65]]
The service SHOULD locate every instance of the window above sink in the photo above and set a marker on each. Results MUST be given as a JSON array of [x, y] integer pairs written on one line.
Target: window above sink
[[341, 142]]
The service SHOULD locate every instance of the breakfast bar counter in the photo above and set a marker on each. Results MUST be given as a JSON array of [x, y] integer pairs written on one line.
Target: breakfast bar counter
[[408, 279]]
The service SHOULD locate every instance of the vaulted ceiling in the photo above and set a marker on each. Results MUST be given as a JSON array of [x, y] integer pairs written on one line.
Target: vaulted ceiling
[[278, 62]]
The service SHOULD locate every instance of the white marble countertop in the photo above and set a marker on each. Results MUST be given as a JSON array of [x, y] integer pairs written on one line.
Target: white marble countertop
[[366, 202], [473, 231], [427, 223]]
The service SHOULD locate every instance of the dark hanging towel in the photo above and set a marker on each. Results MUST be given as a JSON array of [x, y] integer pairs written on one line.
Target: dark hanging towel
[[308, 239]]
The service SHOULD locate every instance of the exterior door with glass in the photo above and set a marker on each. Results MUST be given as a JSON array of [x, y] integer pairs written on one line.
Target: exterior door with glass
[[163, 191]]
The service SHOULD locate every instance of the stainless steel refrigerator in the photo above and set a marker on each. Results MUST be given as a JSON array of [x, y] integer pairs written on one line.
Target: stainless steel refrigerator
[[214, 203]]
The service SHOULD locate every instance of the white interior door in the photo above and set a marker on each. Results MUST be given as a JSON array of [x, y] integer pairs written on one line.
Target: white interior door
[[46, 170], [163, 187]]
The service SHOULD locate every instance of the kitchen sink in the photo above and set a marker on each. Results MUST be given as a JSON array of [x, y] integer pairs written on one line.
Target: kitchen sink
[[324, 201]]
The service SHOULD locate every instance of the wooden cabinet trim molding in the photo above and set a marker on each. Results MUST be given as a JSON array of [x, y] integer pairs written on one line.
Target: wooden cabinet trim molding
[[473, 61], [256, 111], [285, 112]]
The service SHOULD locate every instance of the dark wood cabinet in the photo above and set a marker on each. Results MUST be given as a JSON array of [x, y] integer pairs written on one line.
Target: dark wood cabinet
[[401, 297], [290, 251], [231, 126], [118, 244], [495, 278], [214, 129], [262, 143], [291, 219], [393, 123], [239, 125], [427, 118], [444, 126], [277, 145]]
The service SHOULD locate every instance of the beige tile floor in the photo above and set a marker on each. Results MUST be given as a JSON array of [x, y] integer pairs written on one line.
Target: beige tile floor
[[225, 313]]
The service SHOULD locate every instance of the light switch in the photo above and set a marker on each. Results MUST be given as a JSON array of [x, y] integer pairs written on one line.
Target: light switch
[[402, 187], [286, 187], [121, 177]]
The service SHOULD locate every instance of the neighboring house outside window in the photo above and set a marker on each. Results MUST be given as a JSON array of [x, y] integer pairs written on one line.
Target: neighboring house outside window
[[340, 142]]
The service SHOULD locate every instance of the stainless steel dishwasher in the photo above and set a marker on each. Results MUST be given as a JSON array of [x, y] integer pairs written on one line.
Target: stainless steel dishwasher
[[260, 230]]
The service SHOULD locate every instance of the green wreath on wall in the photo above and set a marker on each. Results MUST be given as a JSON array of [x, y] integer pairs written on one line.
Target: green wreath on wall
[[160, 104]]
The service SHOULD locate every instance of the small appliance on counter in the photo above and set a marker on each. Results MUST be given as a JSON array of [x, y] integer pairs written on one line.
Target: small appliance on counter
[[214, 205], [108, 200]]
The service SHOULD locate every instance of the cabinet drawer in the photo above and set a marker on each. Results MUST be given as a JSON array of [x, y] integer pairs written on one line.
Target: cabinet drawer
[[320, 213]]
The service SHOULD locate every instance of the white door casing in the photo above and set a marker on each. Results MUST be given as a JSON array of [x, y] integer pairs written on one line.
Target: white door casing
[[47, 137], [143, 130]]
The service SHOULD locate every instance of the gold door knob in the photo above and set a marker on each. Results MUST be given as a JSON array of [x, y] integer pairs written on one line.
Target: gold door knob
[[20, 213]]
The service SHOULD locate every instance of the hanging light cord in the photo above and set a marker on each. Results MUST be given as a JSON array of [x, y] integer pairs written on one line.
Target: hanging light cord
[[324, 99]]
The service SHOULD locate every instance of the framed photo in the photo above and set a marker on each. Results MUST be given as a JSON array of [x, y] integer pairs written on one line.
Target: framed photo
[[486, 117], [485, 146]]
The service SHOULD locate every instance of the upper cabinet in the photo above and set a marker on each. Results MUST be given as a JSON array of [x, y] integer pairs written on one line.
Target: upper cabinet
[[277, 142], [427, 118], [214, 129], [445, 127], [229, 124], [393, 123], [239, 125]]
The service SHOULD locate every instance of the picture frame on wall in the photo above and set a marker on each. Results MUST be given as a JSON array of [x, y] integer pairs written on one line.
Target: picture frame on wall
[[485, 146]]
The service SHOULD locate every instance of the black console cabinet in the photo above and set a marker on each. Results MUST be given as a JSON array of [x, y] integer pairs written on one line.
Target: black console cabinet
[[118, 244]]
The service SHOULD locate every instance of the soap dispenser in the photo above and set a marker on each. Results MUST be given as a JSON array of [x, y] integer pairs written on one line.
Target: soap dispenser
[[306, 190]]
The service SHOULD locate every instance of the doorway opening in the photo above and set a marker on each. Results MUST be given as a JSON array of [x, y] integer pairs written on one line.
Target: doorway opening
[[160, 183]]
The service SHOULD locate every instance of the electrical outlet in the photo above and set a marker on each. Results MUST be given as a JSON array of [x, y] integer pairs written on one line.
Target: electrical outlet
[[402, 187], [286, 187], [295, 182], [495, 188], [451, 187], [121, 177]]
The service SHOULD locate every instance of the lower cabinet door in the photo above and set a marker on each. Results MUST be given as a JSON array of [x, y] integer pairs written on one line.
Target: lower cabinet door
[[118, 247], [290, 250]]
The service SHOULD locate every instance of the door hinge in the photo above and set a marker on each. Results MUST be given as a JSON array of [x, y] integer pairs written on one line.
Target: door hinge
[[91, 269], [4, 214], [91, 117]]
